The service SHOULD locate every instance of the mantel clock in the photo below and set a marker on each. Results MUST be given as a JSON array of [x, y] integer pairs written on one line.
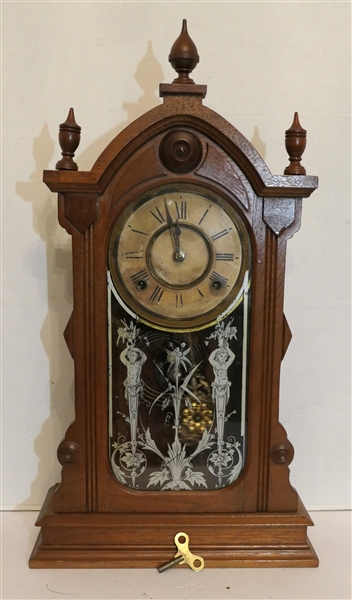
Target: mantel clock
[[177, 333]]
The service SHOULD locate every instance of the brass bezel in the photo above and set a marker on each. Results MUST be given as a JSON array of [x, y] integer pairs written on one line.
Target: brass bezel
[[205, 319]]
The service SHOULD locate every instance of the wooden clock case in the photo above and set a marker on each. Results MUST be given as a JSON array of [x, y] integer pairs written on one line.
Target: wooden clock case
[[90, 519]]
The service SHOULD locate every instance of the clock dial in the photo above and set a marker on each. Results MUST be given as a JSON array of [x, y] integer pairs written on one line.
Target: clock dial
[[177, 257]]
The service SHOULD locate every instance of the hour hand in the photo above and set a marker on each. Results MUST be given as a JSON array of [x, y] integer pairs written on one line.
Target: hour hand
[[177, 228], [179, 255], [177, 236]]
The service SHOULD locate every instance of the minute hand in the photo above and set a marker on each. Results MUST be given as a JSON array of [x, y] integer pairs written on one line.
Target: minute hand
[[170, 223]]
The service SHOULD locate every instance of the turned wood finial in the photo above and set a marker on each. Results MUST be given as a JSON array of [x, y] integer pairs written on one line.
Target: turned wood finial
[[69, 138], [295, 142], [184, 56]]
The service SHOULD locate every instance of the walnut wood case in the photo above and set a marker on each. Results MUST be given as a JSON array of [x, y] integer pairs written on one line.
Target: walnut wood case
[[89, 519]]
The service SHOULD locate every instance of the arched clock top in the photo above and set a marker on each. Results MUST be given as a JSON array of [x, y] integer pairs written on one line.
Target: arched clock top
[[182, 107], [186, 112]]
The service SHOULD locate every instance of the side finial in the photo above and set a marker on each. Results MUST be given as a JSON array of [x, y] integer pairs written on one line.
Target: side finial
[[183, 56], [69, 138], [295, 142]]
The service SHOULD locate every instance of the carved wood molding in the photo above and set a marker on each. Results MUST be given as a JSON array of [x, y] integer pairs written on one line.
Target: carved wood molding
[[271, 430], [279, 213], [218, 165], [286, 338], [81, 210], [69, 335], [80, 474], [134, 171]]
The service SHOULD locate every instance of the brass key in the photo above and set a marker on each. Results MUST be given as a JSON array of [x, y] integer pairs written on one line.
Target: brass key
[[183, 555]]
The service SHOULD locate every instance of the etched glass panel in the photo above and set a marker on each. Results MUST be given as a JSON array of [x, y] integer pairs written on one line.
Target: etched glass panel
[[177, 401]]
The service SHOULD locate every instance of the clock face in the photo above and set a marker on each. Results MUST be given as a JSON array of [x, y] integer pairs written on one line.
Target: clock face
[[177, 257]]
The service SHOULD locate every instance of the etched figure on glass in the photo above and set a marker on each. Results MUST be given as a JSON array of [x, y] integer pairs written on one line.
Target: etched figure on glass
[[133, 359], [220, 360]]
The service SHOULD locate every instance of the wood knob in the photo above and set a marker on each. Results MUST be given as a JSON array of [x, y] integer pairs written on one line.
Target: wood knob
[[67, 452], [295, 142], [184, 56], [69, 139]]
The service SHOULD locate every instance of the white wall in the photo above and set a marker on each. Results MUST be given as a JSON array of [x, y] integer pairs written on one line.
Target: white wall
[[261, 61]]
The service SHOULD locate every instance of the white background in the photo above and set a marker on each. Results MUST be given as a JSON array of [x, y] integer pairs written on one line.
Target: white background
[[261, 61]]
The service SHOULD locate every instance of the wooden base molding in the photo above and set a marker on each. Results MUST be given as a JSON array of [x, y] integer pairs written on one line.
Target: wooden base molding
[[146, 541]]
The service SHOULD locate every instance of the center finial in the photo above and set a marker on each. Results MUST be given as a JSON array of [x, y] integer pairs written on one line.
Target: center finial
[[184, 56]]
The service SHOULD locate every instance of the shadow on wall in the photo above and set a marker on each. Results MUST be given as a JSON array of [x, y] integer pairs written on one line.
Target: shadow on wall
[[59, 276], [258, 144], [148, 75]]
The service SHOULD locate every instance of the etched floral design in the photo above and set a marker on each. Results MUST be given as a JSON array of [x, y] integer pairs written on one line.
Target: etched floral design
[[195, 407], [177, 469]]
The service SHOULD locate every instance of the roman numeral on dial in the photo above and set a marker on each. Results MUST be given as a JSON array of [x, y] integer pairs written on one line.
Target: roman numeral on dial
[[204, 215], [224, 256], [138, 231], [134, 254], [156, 294], [217, 278], [181, 210], [179, 300], [157, 215], [220, 234], [140, 276]]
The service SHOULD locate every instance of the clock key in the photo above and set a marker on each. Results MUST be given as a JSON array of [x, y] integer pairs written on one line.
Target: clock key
[[183, 555], [170, 564]]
